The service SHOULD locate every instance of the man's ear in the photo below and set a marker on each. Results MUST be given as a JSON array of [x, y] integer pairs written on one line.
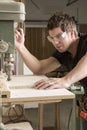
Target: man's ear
[[72, 34]]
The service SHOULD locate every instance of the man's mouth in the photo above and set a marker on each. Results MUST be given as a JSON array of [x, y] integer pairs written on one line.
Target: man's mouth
[[59, 47]]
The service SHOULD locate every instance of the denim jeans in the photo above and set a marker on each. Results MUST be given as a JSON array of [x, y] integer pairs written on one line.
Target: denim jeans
[[84, 124]]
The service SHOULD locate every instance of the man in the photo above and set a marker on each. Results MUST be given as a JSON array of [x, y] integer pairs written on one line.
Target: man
[[71, 51]]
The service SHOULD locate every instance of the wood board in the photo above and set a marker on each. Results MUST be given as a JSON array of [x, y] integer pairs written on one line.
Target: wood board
[[21, 90], [18, 82], [24, 81], [4, 90]]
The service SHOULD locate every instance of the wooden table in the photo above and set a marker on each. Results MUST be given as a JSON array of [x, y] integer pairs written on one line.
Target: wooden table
[[21, 92]]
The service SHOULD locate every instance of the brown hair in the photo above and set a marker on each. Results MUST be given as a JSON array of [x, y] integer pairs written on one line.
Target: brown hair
[[64, 21]]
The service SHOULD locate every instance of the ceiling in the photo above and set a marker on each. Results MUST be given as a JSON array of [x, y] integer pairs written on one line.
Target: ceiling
[[41, 10]]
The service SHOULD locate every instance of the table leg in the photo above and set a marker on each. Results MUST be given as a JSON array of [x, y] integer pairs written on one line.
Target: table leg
[[40, 118], [57, 116]]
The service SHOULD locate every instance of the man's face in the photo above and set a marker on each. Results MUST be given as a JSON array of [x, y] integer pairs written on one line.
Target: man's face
[[60, 40]]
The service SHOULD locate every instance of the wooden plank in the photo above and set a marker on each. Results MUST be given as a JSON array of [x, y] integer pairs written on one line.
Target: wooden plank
[[5, 94], [20, 88], [23, 81], [39, 96], [4, 90], [17, 82], [20, 125]]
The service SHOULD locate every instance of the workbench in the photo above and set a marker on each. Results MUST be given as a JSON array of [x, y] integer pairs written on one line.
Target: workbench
[[21, 91]]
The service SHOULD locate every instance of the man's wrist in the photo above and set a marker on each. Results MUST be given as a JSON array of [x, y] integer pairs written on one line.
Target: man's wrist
[[67, 81]]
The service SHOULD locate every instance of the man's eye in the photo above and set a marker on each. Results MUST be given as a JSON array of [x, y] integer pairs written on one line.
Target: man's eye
[[58, 36]]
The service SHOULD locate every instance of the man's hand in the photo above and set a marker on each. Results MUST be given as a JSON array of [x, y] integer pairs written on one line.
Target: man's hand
[[52, 83], [19, 38]]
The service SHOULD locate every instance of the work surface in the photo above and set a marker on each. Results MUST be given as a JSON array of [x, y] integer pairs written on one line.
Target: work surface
[[21, 90]]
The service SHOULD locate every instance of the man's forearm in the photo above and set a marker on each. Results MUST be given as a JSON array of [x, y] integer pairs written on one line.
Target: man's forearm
[[32, 62], [79, 72]]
